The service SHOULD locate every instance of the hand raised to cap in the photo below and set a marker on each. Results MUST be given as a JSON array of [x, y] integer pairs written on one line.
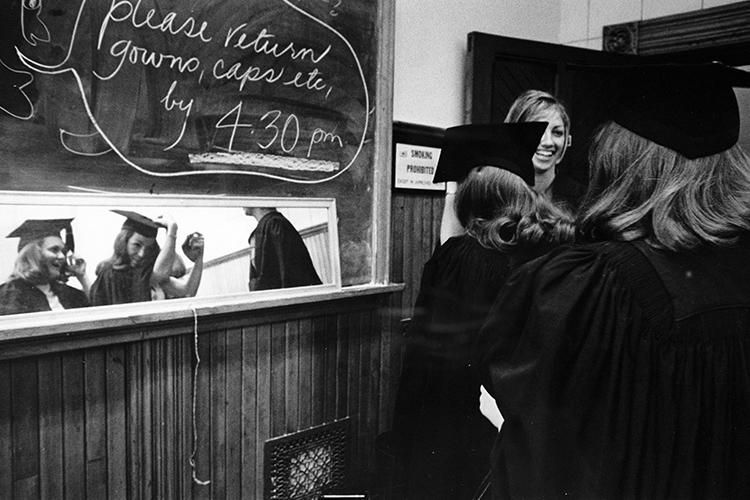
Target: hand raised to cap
[[76, 266], [167, 222]]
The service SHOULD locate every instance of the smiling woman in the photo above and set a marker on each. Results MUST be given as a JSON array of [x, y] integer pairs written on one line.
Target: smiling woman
[[538, 105], [39, 270], [132, 248]]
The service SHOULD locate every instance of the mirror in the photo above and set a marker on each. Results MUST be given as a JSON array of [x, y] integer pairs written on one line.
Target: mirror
[[247, 245]]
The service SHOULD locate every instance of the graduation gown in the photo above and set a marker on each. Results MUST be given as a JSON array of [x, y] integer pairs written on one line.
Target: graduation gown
[[444, 440], [622, 372], [567, 192], [281, 257], [120, 286], [19, 296]]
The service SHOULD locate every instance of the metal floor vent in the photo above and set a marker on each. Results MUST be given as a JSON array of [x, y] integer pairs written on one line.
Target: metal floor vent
[[305, 464]]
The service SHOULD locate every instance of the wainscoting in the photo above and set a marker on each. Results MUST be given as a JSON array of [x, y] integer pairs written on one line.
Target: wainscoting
[[113, 417]]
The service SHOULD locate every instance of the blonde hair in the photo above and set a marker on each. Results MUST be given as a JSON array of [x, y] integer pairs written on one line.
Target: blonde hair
[[531, 103], [28, 264], [641, 190], [501, 212]]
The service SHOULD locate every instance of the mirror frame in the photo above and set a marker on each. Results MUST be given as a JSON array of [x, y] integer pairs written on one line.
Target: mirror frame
[[97, 317]]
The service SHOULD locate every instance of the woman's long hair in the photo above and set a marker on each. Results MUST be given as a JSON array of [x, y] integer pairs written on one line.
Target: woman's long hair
[[532, 103], [120, 258], [641, 190], [501, 212], [28, 265]]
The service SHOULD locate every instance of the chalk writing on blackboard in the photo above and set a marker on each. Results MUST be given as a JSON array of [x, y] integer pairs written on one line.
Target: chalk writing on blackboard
[[15, 82], [335, 4], [33, 28], [269, 88]]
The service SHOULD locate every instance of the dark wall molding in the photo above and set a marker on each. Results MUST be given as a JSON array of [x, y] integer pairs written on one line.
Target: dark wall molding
[[621, 38], [721, 32]]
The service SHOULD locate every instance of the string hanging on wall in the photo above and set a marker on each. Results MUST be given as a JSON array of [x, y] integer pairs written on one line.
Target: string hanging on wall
[[195, 394]]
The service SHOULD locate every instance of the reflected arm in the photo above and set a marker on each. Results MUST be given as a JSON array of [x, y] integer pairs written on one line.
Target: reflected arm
[[85, 282], [163, 264], [187, 286]]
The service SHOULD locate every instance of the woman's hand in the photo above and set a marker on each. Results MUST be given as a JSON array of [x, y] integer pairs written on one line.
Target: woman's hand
[[488, 408], [193, 246], [76, 266], [166, 221]]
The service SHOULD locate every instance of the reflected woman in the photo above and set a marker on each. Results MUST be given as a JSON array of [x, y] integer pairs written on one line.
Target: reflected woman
[[537, 105], [137, 263], [41, 269]]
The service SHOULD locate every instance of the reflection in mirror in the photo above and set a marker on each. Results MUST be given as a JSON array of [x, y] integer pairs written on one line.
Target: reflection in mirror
[[82, 251]]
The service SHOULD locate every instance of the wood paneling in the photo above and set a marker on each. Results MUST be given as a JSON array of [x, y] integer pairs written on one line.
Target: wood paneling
[[414, 235], [116, 421]]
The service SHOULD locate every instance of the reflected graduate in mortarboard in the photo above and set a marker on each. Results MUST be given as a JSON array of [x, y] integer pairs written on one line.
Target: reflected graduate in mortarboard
[[137, 265], [620, 364], [41, 269], [444, 439], [279, 257]]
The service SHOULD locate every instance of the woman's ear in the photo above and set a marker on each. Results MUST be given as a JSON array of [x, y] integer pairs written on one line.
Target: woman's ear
[[568, 142]]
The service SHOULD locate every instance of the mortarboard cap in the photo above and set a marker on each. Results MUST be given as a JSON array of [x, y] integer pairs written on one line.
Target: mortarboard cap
[[689, 108], [35, 229], [139, 223], [509, 146]]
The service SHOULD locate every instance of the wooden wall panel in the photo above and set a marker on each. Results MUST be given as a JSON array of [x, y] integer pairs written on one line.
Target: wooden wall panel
[[25, 437], [134, 429], [6, 433], [251, 447], [95, 424], [305, 382], [263, 403], [414, 235], [72, 410], [117, 421], [233, 414], [50, 427]]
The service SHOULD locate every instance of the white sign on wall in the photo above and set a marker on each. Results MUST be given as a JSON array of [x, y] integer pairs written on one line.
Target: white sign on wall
[[415, 167]]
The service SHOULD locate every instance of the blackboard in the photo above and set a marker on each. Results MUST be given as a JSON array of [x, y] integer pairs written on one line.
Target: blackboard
[[272, 98]]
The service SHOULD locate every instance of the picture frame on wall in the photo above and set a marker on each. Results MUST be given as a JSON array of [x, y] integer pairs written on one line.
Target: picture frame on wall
[[416, 151]]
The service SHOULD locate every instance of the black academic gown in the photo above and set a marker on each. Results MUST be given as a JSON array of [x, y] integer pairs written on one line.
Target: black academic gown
[[444, 440], [567, 192], [120, 286], [19, 296], [622, 372], [281, 257]]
